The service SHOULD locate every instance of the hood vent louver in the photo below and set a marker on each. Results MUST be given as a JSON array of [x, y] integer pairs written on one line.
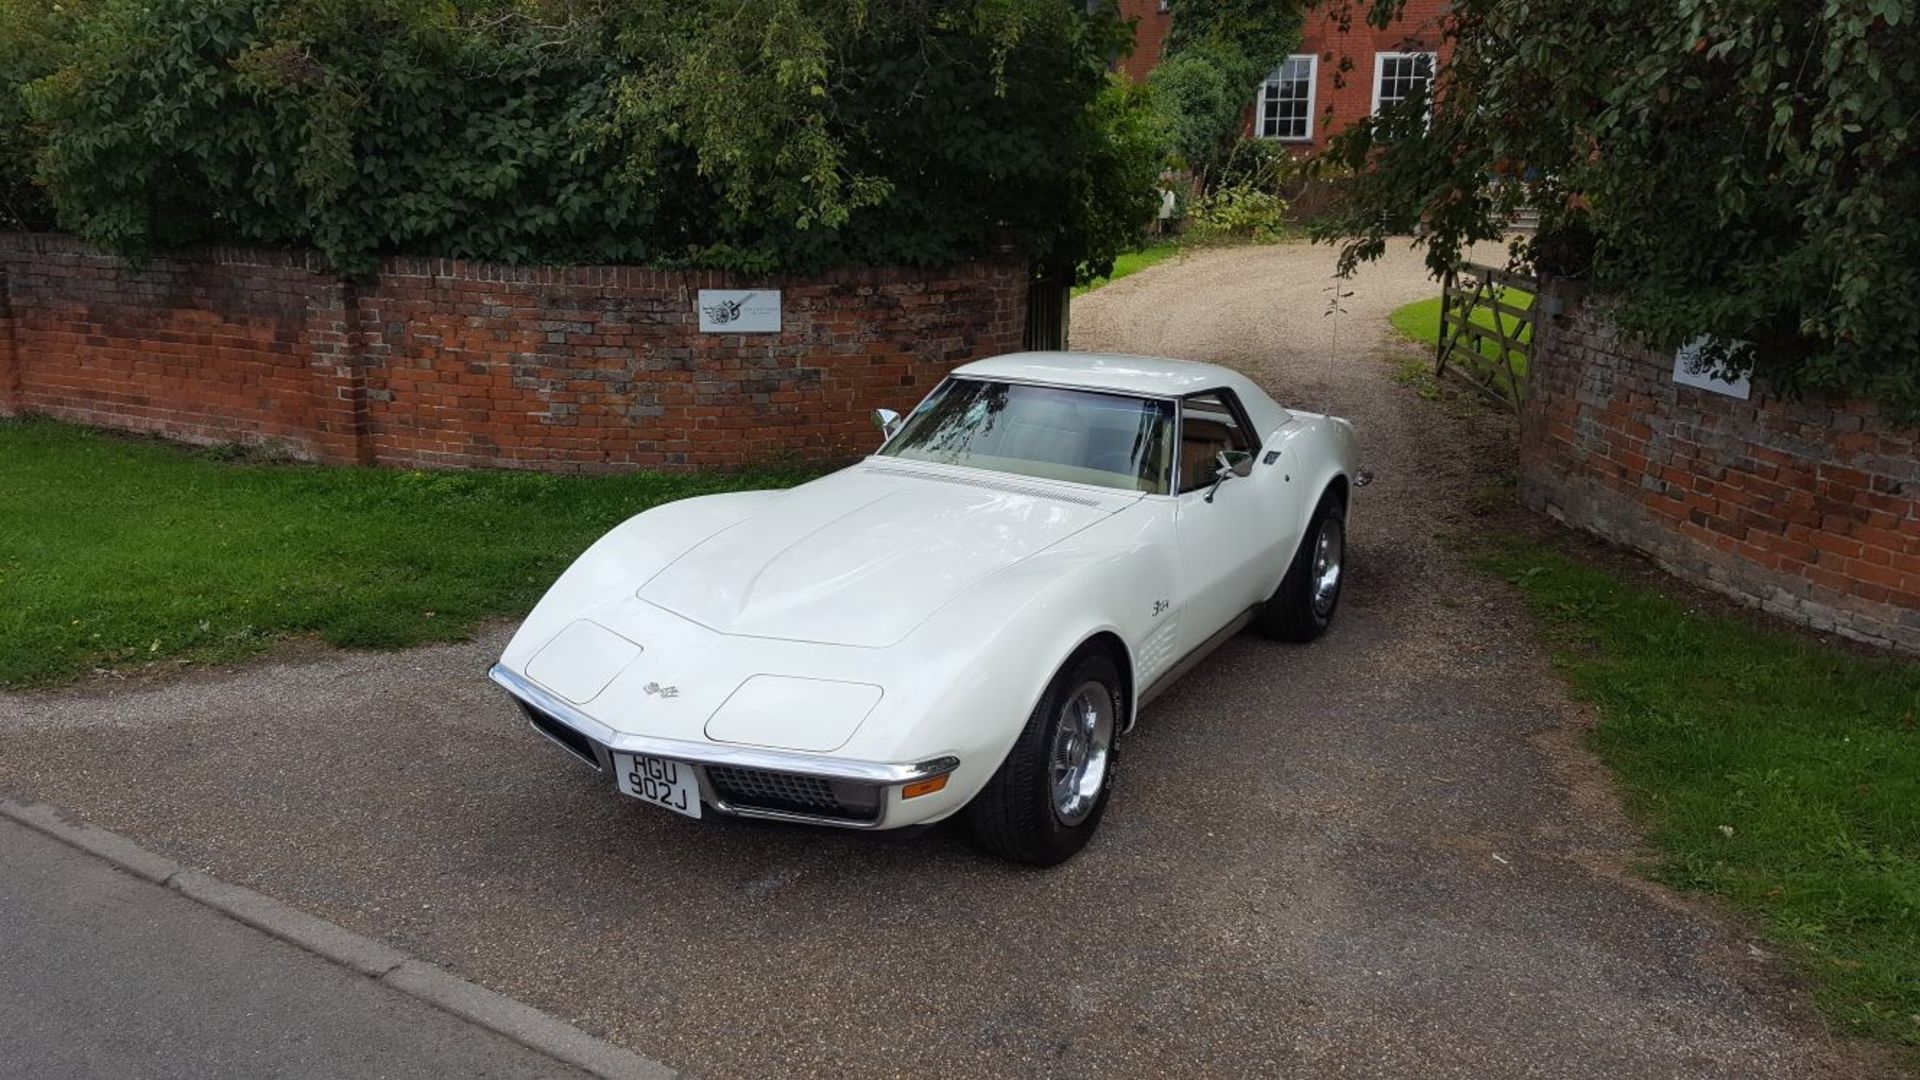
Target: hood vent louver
[[990, 485]]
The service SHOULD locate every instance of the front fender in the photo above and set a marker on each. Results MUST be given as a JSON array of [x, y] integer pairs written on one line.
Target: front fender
[[1325, 452], [979, 666]]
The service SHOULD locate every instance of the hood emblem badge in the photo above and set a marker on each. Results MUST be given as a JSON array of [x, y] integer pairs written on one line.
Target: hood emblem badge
[[663, 691]]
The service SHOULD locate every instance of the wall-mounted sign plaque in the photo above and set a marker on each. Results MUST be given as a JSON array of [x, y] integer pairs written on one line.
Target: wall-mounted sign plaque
[[739, 311]]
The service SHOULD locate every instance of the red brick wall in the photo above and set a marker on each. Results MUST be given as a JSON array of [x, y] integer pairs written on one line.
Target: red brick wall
[[9, 368], [1809, 509], [1344, 90], [445, 363], [1149, 36], [1344, 87], [206, 350]]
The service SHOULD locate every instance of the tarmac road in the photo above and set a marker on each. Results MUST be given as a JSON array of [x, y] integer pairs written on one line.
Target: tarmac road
[[103, 974], [1384, 854]]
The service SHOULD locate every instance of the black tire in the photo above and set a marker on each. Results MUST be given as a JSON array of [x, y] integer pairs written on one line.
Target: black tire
[[1293, 613], [1015, 815]]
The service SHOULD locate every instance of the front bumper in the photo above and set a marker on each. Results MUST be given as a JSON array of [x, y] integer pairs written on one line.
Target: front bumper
[[739, 781]]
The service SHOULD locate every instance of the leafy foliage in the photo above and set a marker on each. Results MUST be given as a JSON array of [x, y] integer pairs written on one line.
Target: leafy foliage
[[1218, 52], [35, 39], [1238, 211], [1262, 163], [1264, 31], [790, 134], [1201, 101], [356, 126], [1249, 197], [1115, 191], [1742, 168]]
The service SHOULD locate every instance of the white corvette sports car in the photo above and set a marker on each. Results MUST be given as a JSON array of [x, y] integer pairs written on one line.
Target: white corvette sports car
[[967, 621]]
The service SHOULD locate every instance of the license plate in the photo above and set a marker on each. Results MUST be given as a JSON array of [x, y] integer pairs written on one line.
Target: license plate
[[659, 781]]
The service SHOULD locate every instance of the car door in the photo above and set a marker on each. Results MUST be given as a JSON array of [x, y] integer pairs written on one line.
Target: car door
[[1227, 531]]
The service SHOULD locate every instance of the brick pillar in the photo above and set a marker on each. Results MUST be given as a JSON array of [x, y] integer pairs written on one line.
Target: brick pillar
[[338, 364], [10, 359]]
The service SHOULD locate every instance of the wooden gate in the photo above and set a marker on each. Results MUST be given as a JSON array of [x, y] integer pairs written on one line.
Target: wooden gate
[[1049, 300], [1486, 330]]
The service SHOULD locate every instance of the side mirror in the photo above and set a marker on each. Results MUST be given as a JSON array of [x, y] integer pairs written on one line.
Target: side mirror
[[1227, 465], [887, 421]]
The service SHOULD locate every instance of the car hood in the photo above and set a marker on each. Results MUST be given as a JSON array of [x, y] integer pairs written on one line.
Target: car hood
[[863, 556]]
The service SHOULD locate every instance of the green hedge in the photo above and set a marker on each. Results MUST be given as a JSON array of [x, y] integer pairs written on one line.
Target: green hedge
[[784, 134]]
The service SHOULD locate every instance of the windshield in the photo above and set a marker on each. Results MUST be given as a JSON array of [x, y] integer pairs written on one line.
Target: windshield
[[1050, 432]]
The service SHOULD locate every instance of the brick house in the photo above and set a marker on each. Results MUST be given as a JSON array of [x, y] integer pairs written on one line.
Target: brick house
[[1334, 78]]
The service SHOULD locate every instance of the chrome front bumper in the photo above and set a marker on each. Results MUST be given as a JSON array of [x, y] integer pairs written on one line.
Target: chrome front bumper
[[594, 743]]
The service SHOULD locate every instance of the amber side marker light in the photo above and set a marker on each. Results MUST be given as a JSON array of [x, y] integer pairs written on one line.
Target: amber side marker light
[[924, 787]]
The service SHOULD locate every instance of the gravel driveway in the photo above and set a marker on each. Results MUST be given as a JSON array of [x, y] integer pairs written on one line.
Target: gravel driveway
[[1381, 855]]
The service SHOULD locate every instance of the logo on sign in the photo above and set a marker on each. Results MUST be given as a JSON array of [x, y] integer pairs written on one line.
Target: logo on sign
[[726, 311]]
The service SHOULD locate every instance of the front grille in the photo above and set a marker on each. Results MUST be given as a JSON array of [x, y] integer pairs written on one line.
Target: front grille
[[580, 745], [758, 789]]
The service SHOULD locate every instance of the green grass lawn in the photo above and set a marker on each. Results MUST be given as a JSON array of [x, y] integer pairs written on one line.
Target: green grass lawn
[[1135, 261], [1420, 321], [116, 552], [1777, 773]]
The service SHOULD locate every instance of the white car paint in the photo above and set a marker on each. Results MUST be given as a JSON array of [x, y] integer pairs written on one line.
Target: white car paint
[[898, 619]]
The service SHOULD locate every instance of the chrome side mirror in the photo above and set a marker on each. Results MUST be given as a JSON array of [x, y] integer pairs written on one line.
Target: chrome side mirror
[[887, 421], [1227, 465]]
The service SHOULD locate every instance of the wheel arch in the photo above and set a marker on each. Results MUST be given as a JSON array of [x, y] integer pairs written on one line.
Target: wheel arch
[[1003, 813], [1336, 481], [1110, 643], [1281, 617], [1038, 679], [1323, 458], [1338, 484]]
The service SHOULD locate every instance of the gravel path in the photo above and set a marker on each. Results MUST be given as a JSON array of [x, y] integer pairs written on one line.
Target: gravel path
[[1381, 855]]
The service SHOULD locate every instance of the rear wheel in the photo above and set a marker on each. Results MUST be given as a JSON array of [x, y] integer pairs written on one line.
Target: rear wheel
[[1049, 794], [1302, 607]]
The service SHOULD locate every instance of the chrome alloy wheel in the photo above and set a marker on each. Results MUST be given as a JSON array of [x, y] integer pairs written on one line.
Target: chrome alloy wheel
[[1329, 549], [1082, 750]]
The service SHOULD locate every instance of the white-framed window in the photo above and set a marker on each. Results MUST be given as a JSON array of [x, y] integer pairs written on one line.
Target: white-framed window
[[1285, 107], [1397, 75]]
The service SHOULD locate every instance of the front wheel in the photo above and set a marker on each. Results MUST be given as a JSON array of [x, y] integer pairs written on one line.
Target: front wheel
[[1302, 607], [1048, 796]]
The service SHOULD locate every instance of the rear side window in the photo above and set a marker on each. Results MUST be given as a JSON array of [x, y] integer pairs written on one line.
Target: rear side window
[[1210, 424]]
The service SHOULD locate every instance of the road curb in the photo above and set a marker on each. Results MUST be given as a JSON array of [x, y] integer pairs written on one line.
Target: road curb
[[99, 843], [521, 1023], [291, 925], [417, 979]]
